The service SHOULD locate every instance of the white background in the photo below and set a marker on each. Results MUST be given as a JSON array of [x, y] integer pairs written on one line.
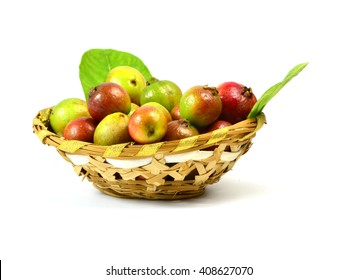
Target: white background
[[288, 208]]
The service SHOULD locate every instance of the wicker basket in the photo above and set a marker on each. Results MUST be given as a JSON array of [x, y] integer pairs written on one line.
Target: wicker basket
[[166, 170]]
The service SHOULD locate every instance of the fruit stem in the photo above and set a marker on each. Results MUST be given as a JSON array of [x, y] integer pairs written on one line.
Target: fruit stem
[[151, 81], [247, 91], [183, 122], [213, 90]]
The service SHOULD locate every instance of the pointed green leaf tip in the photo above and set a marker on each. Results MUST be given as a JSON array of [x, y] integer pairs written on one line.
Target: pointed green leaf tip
[[272, 91], [96, 63]]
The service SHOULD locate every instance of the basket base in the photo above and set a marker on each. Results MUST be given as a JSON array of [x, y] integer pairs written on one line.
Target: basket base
[[155, 195]]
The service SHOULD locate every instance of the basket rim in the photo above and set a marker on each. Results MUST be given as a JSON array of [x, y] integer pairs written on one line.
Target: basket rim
[[241, 131]]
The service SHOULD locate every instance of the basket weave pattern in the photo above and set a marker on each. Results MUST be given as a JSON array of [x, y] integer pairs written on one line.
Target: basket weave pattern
[[166, 170]]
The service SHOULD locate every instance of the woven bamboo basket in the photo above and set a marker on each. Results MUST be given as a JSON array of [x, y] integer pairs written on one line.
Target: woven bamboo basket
[[166, 170]]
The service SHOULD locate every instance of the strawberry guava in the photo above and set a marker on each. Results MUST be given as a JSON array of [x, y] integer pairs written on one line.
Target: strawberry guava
[[200, 105], [66, 111], [163, 92]]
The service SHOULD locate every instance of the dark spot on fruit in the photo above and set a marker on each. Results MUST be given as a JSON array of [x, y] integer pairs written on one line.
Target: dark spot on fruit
[[150, 131], [134, 82]]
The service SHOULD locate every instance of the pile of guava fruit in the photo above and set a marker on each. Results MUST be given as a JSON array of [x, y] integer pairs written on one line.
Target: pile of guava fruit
[[125, 103]]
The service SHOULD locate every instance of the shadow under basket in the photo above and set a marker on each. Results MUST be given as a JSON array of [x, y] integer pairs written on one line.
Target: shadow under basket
[[166, 170]]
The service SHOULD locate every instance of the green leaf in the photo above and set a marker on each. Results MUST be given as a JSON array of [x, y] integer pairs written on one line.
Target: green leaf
[[272, 91], [96, 63]]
